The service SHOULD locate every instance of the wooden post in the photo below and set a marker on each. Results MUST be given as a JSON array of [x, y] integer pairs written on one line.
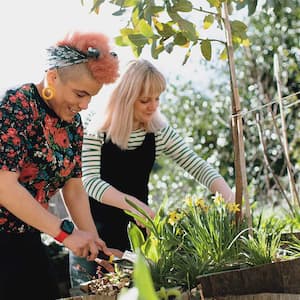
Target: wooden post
[[237, 127]]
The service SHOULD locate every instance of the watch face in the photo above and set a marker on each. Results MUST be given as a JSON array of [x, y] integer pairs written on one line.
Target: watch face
[[67, 226]]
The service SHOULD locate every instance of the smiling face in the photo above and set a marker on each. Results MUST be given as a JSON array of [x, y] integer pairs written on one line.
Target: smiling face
[[72, 93], [144, 110]]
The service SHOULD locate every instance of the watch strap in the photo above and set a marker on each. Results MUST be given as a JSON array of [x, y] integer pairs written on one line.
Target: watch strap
[[61, 236]]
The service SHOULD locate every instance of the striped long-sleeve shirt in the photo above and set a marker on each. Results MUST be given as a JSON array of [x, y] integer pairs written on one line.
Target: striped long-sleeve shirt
[[167, 142]]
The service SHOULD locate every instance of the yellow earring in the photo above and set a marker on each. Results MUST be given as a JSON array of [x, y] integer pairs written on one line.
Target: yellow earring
[[48, 93]]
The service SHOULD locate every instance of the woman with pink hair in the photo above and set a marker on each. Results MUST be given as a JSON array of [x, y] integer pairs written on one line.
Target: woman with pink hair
[[41, 135]]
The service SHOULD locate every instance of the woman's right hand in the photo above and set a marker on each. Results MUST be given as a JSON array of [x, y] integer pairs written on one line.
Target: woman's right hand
[[146, 209], [85, 244], [116, 198]]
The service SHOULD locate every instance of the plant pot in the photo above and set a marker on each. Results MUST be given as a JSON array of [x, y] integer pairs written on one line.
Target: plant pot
[[278, 277]]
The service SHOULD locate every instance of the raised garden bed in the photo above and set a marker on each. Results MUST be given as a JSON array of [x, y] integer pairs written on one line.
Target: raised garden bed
[[279, 277]]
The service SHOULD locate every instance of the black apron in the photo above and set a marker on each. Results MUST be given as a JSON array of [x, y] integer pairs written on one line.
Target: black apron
[[128, 171], [26, 270]]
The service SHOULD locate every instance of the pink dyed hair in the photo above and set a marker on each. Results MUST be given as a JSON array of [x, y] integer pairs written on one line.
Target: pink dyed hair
[[105, 69]]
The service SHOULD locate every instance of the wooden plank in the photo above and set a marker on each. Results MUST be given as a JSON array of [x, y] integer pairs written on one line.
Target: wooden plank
[[261, 296], [290, 272], [261, 279], [223, 285], [279, 277]]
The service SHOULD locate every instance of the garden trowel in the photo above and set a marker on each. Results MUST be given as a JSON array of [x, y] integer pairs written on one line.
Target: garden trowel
[[126, 261]]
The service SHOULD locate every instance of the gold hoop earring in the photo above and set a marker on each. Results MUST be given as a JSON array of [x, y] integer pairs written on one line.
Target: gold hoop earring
[[48, 93]]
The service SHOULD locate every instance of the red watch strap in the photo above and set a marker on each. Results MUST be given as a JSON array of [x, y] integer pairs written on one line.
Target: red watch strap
[[61, 236]]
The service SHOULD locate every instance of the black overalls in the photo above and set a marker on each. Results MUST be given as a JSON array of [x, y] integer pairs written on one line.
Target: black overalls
[[128, 171]]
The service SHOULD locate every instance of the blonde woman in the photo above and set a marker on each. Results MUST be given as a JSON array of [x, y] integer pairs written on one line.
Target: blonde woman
[[118, 159]]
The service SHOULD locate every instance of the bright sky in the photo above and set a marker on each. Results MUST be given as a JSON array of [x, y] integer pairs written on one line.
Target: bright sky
[[27, 27]]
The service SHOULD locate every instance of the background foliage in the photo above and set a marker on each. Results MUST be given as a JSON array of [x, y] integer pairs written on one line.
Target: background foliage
[[204, 117], [258, 93]]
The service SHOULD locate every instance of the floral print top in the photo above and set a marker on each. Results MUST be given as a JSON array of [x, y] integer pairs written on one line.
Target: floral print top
[[36, 142]]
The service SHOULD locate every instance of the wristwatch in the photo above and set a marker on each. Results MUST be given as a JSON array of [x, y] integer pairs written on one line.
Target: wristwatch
[[66, 228]]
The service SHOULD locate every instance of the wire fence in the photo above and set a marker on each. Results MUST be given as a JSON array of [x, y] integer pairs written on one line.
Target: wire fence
[[262, 107]]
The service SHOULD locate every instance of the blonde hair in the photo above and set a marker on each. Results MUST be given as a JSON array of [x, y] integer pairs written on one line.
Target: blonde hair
[[140, 79]]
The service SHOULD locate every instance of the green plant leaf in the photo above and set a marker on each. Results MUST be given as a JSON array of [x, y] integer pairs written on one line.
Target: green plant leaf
[[149, 223], [238, 26], [164, 29], [135, 235], [151, 11], [145, 28], [242, 4], [208, 21], [139, 218], [140, 210], [252, 7], [143, 280], [121, 41], [183, 5], [188, 28], [135, 17], [138, 40], [119, 12], [206, 49], [126, 31], [129, 3], [230, 8], [124, 3], [96, 6], [118, 2], [223, 54], [137, 50], [215, 3], [150, 249], [156, 50], [155, 9]]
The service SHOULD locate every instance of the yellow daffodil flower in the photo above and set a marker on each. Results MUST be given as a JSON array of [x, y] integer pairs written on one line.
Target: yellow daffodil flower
[[174, 217], [233, 207], [188, 201], [218, 199], [200, 203]]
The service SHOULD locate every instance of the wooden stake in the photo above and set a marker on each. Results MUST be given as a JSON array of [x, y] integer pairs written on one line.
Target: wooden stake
[[284, 135], [237, 127]]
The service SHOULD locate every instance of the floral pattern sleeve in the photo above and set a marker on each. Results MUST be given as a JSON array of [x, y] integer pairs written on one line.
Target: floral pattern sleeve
[[15, 124]]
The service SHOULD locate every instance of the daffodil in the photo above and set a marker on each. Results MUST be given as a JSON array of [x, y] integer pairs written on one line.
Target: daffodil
[[179, 232], [188, 201], [199, 202], [218, 199], [174, 217], [233, 207]]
